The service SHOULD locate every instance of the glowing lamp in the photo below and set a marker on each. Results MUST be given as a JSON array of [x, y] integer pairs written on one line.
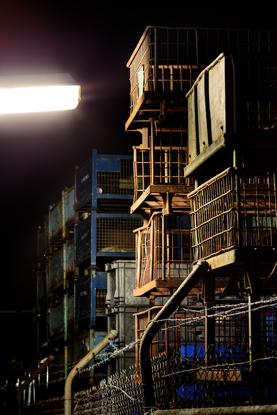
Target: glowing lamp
[[38, 93]]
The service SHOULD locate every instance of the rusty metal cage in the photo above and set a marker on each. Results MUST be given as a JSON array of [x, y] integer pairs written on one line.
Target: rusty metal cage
[[169, 163], [163, 249], [117, 181], [234, 209], [184, 331], [170, 59]]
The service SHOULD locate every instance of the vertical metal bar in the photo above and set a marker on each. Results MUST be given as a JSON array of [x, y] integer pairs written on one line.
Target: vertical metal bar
[[152, 153], [254, 324], [65, 296], [135, 172], [94, 235], [155, 59], [257, 208], [163, 247], [209, 301], [138, 248]]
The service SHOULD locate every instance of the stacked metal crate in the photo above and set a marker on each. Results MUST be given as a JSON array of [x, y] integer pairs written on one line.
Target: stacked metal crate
[[120, 309], [55, 285], [103, 233], [232, 143], [205, 117]]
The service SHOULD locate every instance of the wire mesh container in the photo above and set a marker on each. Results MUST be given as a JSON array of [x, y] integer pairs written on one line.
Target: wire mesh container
[[169, 163], [171, 58], [163, 249], [235, 209]]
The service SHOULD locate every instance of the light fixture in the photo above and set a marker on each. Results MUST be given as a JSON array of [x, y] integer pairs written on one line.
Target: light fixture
[[55, 92]]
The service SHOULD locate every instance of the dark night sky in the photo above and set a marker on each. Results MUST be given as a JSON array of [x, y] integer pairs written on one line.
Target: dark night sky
[[39, 152]]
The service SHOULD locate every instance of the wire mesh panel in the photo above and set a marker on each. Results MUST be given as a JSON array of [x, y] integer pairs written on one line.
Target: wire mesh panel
[[115, 233], [169, 163], [234, 209], [119, 181], [163, 249]]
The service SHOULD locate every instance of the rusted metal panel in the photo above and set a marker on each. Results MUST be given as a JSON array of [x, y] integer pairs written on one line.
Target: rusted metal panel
[[69, 247], [231, 104], [54, 270], [55, 222], [57, 317], [69, 200], [207, 116]]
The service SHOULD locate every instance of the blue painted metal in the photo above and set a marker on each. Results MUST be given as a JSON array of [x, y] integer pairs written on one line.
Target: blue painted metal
[[54, 272], [69, 198], [85, 296], [87, 241], [55, 224], [87, 188], [98, 281], [82, 236], [94, 188], [56, 317], [83, 184]]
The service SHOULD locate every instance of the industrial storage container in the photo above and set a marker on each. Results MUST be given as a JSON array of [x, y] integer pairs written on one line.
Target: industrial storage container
[[169, 59], [60, 266], [59, 317], [105, 235], [61, 217], [121, 281], [103, 178], [120, 309], [234, 214], [89, 297], [163, 251], [233, 104]]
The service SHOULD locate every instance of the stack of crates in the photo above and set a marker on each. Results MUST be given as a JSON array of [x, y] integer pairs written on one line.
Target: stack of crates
[[55, 285], [121, 306], [103, 233]]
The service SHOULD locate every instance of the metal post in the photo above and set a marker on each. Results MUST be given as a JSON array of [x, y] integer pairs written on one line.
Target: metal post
[[28, 381], [91, 355], [209, 301]]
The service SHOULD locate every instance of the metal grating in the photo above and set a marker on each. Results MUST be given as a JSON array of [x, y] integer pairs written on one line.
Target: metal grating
[[115, 234], [117, 182], [234, 209], [163, 249]]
